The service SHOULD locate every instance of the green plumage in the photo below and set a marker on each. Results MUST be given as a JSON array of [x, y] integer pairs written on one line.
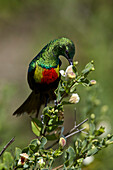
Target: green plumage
[[45, 63], [49, 55]]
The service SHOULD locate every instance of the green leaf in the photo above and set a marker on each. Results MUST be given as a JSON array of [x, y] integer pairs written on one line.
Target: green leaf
[[45, 110], [99, 131], [43, 142], [8, 160], [57, 153], [73, 88], [84, 144], [51, 128], [58, 96], [38, 122], [71, 151], [32, 147], [60, 90], [18, 151], [92, 151], [26, 166], [70, 156], [92, 128], [78, 146], [75, 69], [51, 137], [110, 138], [36, 126], [85, 82], [35, 142], [88, 68], [3, 166], [50, 122], [25, 150]]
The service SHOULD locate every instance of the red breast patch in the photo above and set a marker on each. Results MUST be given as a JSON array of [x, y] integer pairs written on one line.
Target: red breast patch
[[49, 76]]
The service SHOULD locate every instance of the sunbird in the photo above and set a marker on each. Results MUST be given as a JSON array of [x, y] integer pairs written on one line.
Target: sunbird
[[43, 74]]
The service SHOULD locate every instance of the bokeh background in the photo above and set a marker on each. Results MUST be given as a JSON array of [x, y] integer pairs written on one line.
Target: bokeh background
[[26, 26]]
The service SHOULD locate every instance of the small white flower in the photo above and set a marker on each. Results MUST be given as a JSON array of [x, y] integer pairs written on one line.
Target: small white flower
[[88, 160], [62, 72], [68, 73], [41, 161], [74, 98]]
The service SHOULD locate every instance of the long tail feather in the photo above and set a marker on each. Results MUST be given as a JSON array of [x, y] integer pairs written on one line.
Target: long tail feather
[[31, 105]]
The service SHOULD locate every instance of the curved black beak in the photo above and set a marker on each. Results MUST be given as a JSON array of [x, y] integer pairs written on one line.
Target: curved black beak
[[70, 61]]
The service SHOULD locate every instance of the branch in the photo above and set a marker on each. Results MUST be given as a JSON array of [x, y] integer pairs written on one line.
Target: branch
[[82, 123], [76, 127], [58, 167], [70, 133], [6, 146], [63, 95]]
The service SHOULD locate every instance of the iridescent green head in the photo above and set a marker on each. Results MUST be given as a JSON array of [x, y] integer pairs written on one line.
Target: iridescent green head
[[66, 48], [49, 55]]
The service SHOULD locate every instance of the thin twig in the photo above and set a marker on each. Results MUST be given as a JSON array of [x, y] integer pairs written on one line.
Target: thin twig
[[58, 167], [75, 127], [75, 117], [85, 132], [71, 134], [67, 136], [63, 95], [80, 130], [82, 123], [6, 146]]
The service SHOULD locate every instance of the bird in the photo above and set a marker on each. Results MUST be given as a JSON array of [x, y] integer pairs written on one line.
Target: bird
[[43, 75]]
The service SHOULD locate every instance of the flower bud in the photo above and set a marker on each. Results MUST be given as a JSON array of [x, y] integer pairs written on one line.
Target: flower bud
[[93, 82], [24, 157], [92, 116], [62, 142]]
